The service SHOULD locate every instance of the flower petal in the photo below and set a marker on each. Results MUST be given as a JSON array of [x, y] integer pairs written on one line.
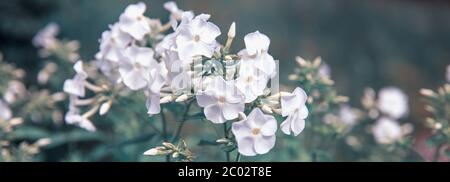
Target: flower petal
[[246, 146], [214, 114], [263, 144]]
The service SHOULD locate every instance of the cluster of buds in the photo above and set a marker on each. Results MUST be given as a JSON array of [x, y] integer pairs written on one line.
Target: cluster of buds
[[438, 105], [50, 45], [179, 152]]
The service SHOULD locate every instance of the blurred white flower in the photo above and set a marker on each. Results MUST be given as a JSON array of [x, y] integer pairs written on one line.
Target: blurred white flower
[[256, 133], [14, 91], [175, 13], [347, 114], [251, 82], [221, 100], [133, 21], [75, 86], [157, 80], [135, 67], [293, 106], [197, 38], [255, 53], [5, 111], [73, 117], [387, 131], [46, 38], [393, 102], [113, 43], [324, 70]]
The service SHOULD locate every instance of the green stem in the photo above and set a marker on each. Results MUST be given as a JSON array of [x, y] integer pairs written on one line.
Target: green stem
[[225, 132], [238, 157], [177, 133], [164, 126]]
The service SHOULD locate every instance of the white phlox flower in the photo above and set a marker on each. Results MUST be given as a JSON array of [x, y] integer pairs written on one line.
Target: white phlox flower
[[256, 133], [197, 38], [74, 117], [5, 111], [221, 101], [113, 43], [75, 86], [393, 102], [387, 131], [293, 106], [133, 21], [256, 53], [136, 66], [251, 82], [46, 37]]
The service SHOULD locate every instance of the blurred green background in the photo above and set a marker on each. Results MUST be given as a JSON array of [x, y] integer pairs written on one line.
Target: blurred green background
[[372, 43]]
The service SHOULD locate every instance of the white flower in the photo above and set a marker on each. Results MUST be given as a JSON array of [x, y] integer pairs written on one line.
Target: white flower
[[347, 115], [251, 82], [135, 67], [14, 91], [324, 70], [448, 73], [176, 14], [5, 111], [393, 102], [73, 117], [133, 21], [255, 53], [293, 106], [46, 37], [222, 101], [256, 133], [387, 131], [197, 38], [158, 78], [75, 86], [113, 43]]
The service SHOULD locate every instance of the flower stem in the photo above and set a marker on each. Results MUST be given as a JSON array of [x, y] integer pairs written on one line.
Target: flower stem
[[238, 157], [164, 126], [225, 132], [183, 120]]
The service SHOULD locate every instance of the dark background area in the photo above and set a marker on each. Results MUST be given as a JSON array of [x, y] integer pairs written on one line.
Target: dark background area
[[372, 43]]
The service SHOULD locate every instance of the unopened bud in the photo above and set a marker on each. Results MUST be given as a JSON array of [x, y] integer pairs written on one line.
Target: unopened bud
[[232, 30], [293, 77], [43, 142], [104, 108], [169, 145], [166, 99], [223, 141], [182, 98], [266, 109], [175, 155], [427, 92], [242, 116]]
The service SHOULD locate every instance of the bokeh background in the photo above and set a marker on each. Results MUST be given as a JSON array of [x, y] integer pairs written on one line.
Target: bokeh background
[[367, 43]]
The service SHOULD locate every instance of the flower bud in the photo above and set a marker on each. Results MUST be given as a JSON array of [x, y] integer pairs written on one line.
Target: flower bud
[[182, 98], [104, 108], [232, 30], [166, 99]]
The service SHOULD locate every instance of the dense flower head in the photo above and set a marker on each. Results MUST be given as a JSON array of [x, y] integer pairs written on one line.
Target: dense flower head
[[184, 65], [393, 102]]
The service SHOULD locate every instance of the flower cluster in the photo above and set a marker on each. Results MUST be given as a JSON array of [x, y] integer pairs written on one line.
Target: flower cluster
[[391, 105], [189, 64], [438, 105], [12, 95]]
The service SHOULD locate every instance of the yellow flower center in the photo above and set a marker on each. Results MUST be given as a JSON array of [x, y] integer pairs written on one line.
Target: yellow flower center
[[196, 38], [221, 99], [256, 131]]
